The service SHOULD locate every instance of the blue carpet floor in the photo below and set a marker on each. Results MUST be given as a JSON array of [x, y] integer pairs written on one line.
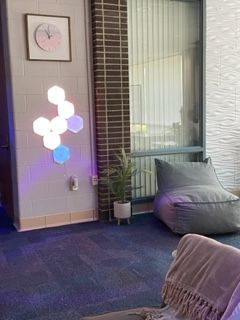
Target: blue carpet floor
[[5, 223], [67, 272]]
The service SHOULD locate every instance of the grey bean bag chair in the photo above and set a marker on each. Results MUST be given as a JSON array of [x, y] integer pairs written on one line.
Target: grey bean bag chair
[[190, 199]]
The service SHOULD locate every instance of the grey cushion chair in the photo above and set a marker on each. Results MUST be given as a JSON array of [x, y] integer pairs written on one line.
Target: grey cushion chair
[[190, 199]]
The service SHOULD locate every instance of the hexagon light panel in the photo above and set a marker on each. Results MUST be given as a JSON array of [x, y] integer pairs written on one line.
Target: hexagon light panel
[[61, 154], [51, 140], [56, 95], [65, 120], [75, 124], [59, 125], [65, 109], [41, 126]]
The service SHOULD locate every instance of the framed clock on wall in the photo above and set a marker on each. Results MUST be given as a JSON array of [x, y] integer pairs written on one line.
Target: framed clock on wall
[[48, 37]]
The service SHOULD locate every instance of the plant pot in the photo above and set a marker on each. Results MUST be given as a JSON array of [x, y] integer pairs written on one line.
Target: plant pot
[[122, 210]]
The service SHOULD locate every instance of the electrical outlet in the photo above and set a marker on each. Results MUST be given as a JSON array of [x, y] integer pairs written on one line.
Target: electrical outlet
[[94, 180], [74, 183]]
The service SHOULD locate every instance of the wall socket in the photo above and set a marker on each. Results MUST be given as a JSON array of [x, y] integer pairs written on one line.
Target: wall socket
[[94, 180], [74, 183]]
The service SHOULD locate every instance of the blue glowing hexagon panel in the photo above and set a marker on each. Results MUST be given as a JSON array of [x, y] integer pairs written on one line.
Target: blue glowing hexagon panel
[[61, 154], [75, 123]]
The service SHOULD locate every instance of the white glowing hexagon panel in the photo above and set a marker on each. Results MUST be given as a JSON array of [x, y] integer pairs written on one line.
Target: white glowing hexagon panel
[[59, 125], [56, 95], [41, 126], [75, 123], [51, 140], [61, 154], [66, 109]]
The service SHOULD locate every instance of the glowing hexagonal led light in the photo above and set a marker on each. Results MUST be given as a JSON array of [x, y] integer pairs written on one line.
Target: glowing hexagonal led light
[[51, 140], [56, 95], [65, 109], [75, 123], [51, 130], [41, 126], [59, 125], [61, 154]]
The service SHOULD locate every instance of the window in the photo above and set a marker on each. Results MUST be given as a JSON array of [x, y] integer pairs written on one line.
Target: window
[[165, 78]]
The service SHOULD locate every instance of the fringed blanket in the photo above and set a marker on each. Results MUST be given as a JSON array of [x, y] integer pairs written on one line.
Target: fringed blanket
[[202, 278], [166, 313], [233, 308]]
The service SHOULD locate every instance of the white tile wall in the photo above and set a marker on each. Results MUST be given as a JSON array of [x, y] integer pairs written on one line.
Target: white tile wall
[[33, 69], [69, 84], [20, 104], [49, 206], [17, 66], [73, 201], [18, 7], [223, 89], [27, 84], [82, 86], [38, 105], [43, 185], [21, 139]]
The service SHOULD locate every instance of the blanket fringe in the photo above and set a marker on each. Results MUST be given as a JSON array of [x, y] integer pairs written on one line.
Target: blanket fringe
[[189, 303]]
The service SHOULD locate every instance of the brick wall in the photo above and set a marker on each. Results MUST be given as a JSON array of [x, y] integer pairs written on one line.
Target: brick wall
[[110, 58]]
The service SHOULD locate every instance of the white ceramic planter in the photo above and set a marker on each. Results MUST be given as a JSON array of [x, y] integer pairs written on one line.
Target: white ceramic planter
[[122, 210]]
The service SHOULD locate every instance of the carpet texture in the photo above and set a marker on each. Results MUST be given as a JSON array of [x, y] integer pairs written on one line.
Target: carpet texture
[[77, 270]]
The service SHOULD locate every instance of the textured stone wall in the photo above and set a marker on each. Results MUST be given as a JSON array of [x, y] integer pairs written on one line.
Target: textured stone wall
[[223, 89]]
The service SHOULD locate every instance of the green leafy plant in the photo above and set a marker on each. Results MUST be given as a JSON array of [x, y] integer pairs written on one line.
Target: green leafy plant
[[117, 177]]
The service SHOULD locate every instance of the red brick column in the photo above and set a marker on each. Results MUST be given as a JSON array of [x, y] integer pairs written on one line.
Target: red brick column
[[110, 59]]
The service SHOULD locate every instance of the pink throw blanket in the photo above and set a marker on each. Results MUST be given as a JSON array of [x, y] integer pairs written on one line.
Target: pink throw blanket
[[202, 278], [233, 306]]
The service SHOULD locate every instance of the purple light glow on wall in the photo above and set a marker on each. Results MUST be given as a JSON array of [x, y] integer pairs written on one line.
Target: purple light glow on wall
[[51, 130], [39, 172]]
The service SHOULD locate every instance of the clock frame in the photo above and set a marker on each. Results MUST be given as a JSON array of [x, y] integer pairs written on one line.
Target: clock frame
[[37, 52]]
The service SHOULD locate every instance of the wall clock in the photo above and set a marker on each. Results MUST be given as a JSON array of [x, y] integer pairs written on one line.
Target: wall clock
[[48, 37]]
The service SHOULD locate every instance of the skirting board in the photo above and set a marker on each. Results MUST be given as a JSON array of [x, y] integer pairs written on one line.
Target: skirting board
[[54, 220]]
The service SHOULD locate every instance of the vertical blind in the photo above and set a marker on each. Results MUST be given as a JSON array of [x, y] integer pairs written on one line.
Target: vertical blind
[[164, 76]]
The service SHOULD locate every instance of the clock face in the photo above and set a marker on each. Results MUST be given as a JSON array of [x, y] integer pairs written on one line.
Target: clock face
[[48, 37]]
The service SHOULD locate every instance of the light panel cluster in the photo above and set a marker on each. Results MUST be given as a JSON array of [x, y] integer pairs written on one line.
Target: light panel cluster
[[65, 120]]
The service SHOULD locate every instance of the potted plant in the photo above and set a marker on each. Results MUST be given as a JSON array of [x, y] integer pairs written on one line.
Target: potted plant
[[118, 178]]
